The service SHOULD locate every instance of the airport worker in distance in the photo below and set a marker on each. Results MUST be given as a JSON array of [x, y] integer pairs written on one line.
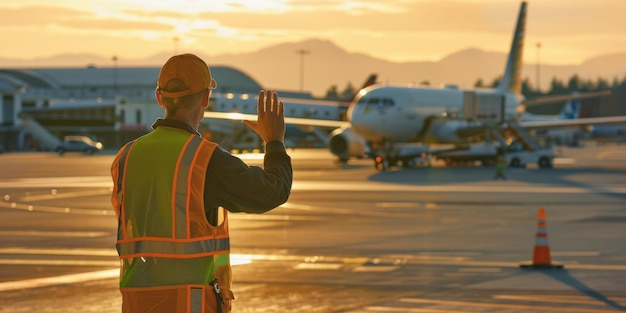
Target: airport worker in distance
[[173, 191], [500, 166]]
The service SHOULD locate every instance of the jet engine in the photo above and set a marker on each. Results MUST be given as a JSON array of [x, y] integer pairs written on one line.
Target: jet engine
[[345, 143]]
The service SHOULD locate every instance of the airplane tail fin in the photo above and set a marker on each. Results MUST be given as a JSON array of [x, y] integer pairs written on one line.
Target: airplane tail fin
[[368, 82], [512, 79], [571, 109]]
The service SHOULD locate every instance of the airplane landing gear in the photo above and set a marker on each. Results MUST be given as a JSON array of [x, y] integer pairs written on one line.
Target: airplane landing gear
[[381, 163]]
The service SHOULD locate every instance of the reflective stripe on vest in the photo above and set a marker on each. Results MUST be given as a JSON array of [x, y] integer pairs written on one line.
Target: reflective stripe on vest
[[182, 187], [158, 247], [196, 300]]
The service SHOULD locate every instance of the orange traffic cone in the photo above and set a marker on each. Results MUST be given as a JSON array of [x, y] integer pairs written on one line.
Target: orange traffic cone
[[541, 252]]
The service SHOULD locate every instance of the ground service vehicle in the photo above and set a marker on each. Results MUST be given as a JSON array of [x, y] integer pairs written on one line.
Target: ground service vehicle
[[519, 156], [516, 154], [406, 155]]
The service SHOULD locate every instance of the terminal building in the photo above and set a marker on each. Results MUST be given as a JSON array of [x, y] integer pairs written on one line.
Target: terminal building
[[38, 107]]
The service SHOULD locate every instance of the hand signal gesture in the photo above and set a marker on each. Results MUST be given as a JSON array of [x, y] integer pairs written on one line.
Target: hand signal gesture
[[270, 124]]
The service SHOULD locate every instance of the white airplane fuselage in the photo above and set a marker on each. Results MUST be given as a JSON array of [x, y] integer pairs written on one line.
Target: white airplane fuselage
[[404, 113]]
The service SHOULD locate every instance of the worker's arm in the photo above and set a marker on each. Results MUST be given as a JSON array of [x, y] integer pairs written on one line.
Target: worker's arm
[[241, 188]]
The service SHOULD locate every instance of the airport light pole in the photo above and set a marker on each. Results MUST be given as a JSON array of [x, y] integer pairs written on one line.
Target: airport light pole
[[302, 53], [114, 58], [538, 82], [175, 39]]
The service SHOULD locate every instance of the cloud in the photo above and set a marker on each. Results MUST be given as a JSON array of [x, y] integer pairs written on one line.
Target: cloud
[[39, 16], [68, 19]]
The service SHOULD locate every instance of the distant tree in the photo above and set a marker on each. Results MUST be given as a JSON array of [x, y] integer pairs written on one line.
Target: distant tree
[[528, 90], [479, 83], [331, 93], [496, 82], [348, 92], [557, 86], [602, 84], [615, 83], [574, 83]]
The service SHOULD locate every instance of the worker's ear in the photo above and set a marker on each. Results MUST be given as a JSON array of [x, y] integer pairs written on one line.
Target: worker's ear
[[157, 94], [205, 98]]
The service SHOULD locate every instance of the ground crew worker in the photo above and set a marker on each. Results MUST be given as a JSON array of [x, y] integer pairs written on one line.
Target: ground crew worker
[[500, 166], [171, 187]]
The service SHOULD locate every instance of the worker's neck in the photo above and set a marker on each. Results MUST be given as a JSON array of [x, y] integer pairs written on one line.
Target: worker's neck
[[184, 118]]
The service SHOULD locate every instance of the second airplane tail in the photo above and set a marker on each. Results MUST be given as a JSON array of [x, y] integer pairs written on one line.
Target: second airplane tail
[[571, 110]]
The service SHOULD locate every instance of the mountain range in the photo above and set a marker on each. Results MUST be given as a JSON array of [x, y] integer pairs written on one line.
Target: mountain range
[[281, 67]]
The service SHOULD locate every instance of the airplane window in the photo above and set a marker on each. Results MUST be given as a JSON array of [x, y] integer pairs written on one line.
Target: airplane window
[[388, 101], [373, 101]]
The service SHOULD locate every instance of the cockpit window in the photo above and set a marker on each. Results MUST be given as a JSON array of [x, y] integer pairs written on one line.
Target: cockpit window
[[373, 101], [388, 101]]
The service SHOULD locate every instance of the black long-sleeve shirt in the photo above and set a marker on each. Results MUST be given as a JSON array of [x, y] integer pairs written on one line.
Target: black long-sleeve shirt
[[237, 187]]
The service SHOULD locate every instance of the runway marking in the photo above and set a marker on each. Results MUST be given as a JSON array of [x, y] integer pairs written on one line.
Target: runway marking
[[397, 205], [304, 207], [54, 194], [275, 217], [560, 161], [480, 270], [60, 262], [503, 306], [58, 280], [499, 188], [409, 310], [375, 268], [556, 299], [57, 182], [605, 153], [54, 209], [67, 234], [319, 266], [87, 252]]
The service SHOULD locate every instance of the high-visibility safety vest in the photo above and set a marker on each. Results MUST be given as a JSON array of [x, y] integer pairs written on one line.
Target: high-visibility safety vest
[[172, 258]]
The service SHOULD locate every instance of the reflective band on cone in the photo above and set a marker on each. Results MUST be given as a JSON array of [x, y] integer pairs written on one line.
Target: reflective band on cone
[[541, 252]]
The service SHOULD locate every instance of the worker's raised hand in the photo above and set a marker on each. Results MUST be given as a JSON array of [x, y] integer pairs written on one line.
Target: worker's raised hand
[[270, 124]]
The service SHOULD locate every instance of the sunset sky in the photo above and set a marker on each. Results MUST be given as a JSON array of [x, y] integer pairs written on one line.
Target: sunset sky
[[569, 31]]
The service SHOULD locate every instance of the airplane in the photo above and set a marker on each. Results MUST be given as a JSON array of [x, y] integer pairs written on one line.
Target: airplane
[[606, 133], [384, 116], [389, 114], [571, 110]]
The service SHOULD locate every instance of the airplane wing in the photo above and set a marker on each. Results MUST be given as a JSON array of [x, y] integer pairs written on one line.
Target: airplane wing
[[288, 120], [560, 98], [620, 119], [556, 123]]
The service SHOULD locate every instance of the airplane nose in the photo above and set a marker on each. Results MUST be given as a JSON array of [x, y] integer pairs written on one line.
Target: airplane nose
[[364, 123]]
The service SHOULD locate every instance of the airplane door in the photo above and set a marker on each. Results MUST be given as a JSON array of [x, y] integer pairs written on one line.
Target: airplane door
[[486, 107]]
